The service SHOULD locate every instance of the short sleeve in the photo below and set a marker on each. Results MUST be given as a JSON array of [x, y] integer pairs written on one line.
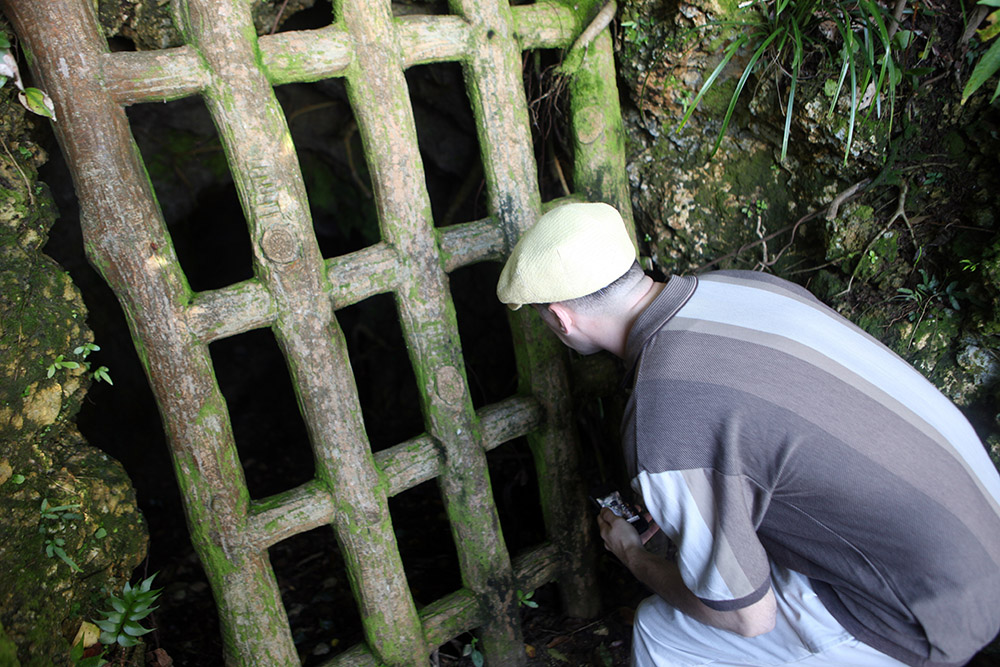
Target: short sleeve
[[708, 516]]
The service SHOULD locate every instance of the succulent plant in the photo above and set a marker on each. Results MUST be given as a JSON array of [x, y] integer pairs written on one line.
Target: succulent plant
[[121, 624]]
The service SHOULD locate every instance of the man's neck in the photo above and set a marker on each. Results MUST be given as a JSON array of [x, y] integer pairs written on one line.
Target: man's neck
[[644, 293]]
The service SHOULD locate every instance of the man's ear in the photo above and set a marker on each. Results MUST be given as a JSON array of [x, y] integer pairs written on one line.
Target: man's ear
[[564, 316]]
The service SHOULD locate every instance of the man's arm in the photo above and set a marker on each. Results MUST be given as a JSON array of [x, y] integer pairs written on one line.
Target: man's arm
[[664, 578]]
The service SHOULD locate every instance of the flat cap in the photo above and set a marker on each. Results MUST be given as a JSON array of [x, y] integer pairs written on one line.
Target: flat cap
[[573, 250]]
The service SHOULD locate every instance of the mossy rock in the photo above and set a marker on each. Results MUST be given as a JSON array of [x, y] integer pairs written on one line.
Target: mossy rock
[[59, 564]]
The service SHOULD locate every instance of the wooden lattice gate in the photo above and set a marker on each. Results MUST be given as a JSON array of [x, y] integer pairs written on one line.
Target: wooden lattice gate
[[296, 292]]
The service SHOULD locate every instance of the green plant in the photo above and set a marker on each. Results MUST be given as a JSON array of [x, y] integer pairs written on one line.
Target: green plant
[[759, 207], [524, 599], [76, 654], [100, 374], [473, 653], [54, 545], [928, 292], [783, 32], [989, 62], [32, 99], [120, 624], [60, 362]]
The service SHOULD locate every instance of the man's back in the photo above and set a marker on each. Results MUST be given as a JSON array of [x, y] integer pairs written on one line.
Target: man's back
[[762, 424]]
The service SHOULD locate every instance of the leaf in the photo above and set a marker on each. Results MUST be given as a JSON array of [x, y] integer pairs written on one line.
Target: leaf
[[146, 584], [739, 87], [477, 659], [36, 101], [992, 28], [8, 68], [985, 68], [87, 635], [4, 42], [903, 38], [728, 55], [989, 3], [108, 626], [134, 629], [66, 559], [558, 655]]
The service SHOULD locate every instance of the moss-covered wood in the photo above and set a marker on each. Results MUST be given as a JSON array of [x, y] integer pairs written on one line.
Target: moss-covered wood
[[295, 292]]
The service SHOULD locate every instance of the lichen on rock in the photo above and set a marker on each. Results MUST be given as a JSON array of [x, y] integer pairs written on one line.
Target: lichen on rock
[[44, 461]]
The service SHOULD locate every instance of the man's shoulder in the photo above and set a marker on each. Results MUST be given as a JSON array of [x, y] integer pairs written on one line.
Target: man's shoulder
[[758, 280]]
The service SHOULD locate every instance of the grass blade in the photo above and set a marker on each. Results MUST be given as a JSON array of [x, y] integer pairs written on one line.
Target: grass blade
[[796, 64], [739, 87], [727, 56]]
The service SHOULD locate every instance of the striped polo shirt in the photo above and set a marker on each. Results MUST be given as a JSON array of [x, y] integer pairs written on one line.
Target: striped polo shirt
[[763, 425]]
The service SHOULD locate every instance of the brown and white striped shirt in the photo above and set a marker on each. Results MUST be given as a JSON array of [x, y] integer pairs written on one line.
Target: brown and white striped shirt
[[763, 425]]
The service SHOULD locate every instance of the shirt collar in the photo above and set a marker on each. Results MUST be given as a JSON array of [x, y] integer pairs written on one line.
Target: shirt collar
[[674, 295]]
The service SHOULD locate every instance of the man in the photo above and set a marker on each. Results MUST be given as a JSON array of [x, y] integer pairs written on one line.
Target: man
[[828, 505]]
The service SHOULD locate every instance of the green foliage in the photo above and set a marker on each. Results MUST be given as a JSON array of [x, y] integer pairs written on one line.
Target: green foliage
[[757, 208], [51, 520], [989, 62], [473, 653], [524, 599], [637, 32], [60, 362], [784, 32], [76, 655], [101, 374], [120, 624], [931, 289], [32, 99]]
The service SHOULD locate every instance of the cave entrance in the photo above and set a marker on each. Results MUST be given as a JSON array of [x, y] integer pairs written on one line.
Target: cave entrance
[[297, 287]]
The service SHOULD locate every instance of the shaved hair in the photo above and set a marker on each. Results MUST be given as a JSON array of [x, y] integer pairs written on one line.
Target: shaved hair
[[609, 294]]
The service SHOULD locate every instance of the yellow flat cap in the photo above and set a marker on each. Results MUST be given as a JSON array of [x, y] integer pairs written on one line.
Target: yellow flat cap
[[573, 250]]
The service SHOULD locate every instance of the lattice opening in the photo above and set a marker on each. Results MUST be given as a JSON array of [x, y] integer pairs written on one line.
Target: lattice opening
[[551, 133], [487, 348], [386, 385], [332, 159], [446, 135], [425, 543], [324, 620], [182, 153], [515, 490], [270, 436]]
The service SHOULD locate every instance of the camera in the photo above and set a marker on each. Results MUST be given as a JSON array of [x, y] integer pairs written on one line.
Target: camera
[[613, 501]]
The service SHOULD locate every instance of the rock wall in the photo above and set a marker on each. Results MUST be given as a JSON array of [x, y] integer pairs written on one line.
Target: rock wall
[[72, 532], [911, 254]]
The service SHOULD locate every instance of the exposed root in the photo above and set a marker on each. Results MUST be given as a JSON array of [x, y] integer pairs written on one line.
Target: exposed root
[[600, 22]]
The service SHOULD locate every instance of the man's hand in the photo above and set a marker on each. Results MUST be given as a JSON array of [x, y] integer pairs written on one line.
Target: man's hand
[[618, 534], [663, 577]]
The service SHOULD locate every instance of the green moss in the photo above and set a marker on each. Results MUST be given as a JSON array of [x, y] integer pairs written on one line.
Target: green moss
[[716, 100], [8, 651]]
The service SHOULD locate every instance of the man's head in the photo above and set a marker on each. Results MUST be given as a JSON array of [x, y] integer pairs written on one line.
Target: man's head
[[572, 251], [577, 266]]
